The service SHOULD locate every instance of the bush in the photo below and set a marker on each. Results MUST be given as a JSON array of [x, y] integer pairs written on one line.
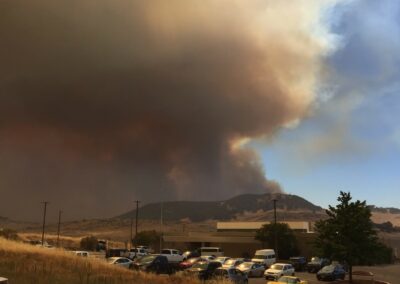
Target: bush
[[89, 243], [8, 234]]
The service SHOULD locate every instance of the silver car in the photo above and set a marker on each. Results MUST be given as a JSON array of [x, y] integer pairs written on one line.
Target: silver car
[[233, 275], [252, 269]]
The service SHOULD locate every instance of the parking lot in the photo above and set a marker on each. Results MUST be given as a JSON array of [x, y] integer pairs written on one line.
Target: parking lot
[[389, 273], [309, 277]]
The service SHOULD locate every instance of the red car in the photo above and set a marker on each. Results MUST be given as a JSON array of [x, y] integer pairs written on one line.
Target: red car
[[188, 263]]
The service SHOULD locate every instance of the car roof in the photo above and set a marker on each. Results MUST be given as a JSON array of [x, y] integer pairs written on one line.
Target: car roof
[[282, 263]]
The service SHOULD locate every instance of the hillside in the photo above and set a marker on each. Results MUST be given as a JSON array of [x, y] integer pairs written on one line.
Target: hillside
[[233, 208], [23, 263]]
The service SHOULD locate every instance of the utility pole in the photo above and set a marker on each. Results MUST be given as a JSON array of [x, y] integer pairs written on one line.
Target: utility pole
[[58, 228], [275, 229], [137, 217], [44, 220], [161, 224]]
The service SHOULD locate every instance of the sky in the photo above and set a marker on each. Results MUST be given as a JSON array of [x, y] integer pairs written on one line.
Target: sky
[[106, 102], [351, 142]]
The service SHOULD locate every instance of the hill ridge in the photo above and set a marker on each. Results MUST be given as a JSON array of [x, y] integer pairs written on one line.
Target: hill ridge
[[222, 210]]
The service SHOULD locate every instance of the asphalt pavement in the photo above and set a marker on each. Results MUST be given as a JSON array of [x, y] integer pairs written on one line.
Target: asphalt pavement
[[309, 277]]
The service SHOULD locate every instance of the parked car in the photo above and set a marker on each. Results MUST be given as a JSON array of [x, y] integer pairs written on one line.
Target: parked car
[[316, 264], [232, 263], [232, 275], [203, 269], [208, 257], [331, 273], [81, 253], [222, 259], [252, 269], [215, 251], [120, 261], [288, 280], [153, 263], [137, 252], [264, 256], [299, 263], [173, 255], [3, 280], [190, 254], [188, 263], [278, 270]]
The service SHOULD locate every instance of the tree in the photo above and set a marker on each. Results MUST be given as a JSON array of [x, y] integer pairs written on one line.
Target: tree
[[348, 235], [89, 243], [147, 238], [286, 240]]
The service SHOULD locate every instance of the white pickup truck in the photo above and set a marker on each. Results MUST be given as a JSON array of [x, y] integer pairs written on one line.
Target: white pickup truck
[[173, 255], [137, 252]]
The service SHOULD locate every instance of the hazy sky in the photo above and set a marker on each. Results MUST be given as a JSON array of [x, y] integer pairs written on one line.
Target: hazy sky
[[105, 102]]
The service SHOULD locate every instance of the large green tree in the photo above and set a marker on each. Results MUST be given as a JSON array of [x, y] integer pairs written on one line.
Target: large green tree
[[286, 240], [348, 235], [147, 238]]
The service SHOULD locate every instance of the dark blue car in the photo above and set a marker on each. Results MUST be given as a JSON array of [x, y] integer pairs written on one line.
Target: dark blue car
[[331, 273]]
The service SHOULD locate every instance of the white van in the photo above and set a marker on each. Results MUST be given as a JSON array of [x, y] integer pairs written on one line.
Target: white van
[[215, 251], [265, 257]]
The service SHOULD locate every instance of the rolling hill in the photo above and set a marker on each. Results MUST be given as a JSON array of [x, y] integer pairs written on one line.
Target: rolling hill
[[234, 208]]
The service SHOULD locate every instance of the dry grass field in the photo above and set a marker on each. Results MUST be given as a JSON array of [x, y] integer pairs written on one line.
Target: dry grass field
[[26, 264]]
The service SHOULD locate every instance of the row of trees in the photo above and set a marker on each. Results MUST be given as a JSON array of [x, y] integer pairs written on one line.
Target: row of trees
[[347, 235]]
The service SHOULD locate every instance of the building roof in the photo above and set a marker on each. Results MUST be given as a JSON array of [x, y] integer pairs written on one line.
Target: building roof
[[294, 225]]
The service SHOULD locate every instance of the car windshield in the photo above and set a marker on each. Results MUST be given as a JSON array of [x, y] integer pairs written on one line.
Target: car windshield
[[230, 261], [146, 259], [201, 265], [277, 266], [315, 259], [289, 280], [111, 259], [259, 256], [245, 265], [328, 268], [221, 258]]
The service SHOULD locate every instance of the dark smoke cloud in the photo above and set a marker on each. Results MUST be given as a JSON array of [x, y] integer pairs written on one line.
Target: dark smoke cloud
[[104, 102]]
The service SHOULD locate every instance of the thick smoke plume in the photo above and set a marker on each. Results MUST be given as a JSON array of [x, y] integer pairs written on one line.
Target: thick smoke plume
[[103, 102]]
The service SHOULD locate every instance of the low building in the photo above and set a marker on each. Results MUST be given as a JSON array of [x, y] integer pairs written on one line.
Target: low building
[[237, 239], [297, 226]]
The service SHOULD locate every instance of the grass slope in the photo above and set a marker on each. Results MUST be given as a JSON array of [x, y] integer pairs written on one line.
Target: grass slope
[[26, 264]]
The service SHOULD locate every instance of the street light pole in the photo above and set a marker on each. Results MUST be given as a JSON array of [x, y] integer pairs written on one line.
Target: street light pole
[[137, 217], [44, 220], [131, 236], [58, 227], [275, 229], [161, 224]]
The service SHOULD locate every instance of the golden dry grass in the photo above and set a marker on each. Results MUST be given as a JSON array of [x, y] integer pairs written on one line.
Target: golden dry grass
[[26, 264]]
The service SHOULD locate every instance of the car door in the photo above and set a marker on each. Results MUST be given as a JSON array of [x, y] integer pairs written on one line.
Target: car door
[[257, 270]]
